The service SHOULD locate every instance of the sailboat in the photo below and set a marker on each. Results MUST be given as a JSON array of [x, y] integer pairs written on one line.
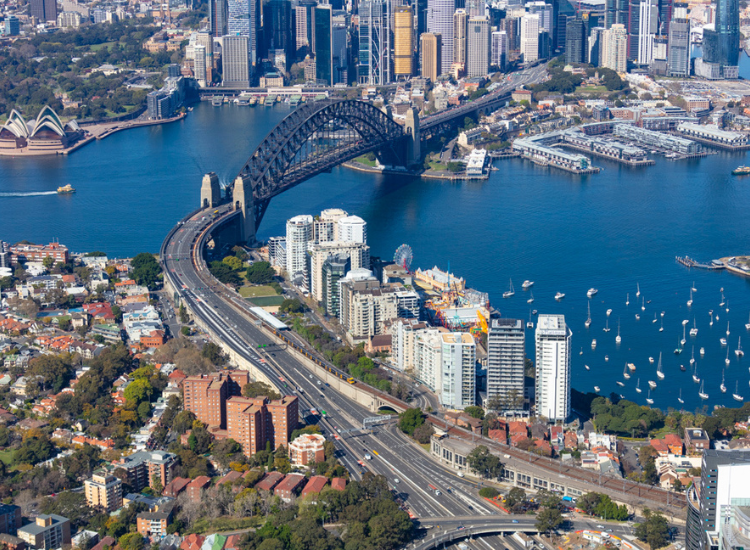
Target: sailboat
[[609, 312], [711, 318], [643, 304], [654, 317], [648, 399], [721, 304], [723, 386], [627, 301], [530, 323], [692, 356], [680, 397], [606, 325], [659, 372], [727, 361], [581, 352], [618, 339], [736, 395], [593, 343], [727, 328], [678, 349], [638, 291], [690, 301], [682, 342], [738, 352], [531, 300], [638, 386], [694, 330], [661, 328], [625, 373], [652, 384], [695, 375], [588, 319], [702, 394], [510, 292], [692, 288], [727, 309], [747, 325]]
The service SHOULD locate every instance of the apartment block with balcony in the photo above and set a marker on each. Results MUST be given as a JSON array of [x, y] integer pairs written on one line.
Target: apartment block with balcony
[[103, 491], [50, 531]]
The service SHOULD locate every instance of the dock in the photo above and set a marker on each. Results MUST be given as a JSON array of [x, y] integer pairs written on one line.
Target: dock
[[687, 261]]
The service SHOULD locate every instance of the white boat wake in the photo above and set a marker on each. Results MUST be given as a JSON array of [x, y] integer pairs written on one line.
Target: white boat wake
[[31, 194]]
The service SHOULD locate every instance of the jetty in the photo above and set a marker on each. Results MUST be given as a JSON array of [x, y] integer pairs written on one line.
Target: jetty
[[687, 261]]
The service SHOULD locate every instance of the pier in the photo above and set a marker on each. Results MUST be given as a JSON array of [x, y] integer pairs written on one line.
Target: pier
[[687, 261]]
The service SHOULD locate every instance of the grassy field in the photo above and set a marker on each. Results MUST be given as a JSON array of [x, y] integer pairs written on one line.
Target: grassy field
[[266, 301], [438, 166], [6, 456], [367, 162], [592, 90], [256, 291], [97, 47]]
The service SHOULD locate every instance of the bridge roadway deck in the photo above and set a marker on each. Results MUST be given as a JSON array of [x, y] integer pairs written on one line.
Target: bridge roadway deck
[[220, 310], [395, 457]]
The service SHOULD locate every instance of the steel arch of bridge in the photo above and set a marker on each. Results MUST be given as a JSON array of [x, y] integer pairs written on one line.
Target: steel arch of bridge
[[275, 165]]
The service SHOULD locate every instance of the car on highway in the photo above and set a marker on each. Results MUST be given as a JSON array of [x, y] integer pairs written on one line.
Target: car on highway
[[460, 474], [368, 456], [396, 480], [600, 526], [460, 528], [514, 521]]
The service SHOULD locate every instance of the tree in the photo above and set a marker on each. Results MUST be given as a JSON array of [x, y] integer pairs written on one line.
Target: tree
[[423, 433], [515, 497], [183, 421], [259, 389], [199, 440], [156, 484], [260, 273], [455, 167], [548, 519], [131, 541], [654, 531], [410, 420], [475, 412], [138, 390], [213, 353], [488, 492], [224, 273], [225, 451], [146, 269], [184, 318], [484, 463], [234, 263], [292, 305], [185, 331]]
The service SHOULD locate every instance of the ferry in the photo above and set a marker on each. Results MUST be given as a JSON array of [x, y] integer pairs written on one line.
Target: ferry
[[66, 189], [741, 171]]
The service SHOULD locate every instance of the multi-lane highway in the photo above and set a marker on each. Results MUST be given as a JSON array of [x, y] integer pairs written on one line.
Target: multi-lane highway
[[427, 491]]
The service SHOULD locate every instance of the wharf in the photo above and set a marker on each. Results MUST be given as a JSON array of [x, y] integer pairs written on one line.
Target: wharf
[[586, 171], [503, 154], [712, 143], [687, 261], [646, 162], [739, 265]]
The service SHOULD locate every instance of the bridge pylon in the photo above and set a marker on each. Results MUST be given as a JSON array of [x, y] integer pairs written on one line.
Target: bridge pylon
[[242, 197], [413, 148], [210, 191]]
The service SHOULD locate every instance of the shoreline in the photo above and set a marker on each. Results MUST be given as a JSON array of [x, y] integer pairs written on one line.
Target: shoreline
[[735, 270], [95, 133]]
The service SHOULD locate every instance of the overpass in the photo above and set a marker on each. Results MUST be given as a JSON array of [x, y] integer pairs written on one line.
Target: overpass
[[319, 135]]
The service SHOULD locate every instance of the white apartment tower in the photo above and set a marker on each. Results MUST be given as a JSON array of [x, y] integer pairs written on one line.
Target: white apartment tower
[[352, 229], [428, 358], [499, 53], [553, 367], [326, 225], [299, 234], [530, 37], [506, 357], [647, 30], [615, 48], [458, 370]]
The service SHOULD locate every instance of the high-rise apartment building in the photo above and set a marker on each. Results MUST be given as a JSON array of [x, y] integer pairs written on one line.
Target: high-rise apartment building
[[10, 514], [43, 10], [546, 15], [404, 333], [352, 229], [718, 506], [499, 45], [648, 27], [530, 37], [325, 227], [299, 233], [144, 468], [103, 492], [366, 304], [216, 400], [374, 63], [575, 41], [440, 21], [199, 64], [334, 269], [218, 17], [460, 41], [458, 370], [48, 532], [479, 46], [506, 355], [235, 61], [678, 53], [324, 45], [207, 41], [552, 393], [358, 253], [595, 46], [615, 48], [403, 42], [431, 49], [428, 358]]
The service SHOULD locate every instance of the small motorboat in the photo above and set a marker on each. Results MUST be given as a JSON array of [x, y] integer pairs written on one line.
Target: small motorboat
[[527, 284], [559, 296], [651, 384], [597, 389], [592, 292], [621, 384]]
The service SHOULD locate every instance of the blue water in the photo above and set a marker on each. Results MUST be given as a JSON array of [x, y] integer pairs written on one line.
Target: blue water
[[568, 233]]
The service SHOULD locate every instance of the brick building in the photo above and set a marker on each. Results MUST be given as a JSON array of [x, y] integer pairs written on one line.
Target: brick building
[[38, 252], [145, 466], [307, 448], [196, 487], [10, 518], [289, 487]]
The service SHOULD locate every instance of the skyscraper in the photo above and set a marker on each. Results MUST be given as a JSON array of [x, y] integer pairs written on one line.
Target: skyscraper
[[479, 46], [678, 56], [217, 17], [506, 343], [458, 370], [235, 61], [304, 27], [374, 43], [552, 367], [530, 37], [614, 49], [199, 64], [721, 45], [335, 268], [244, 20], [460, 27], [575, 41], [595, 46], [43, 10], [340, 58], [648, 23], [403, 38], [633, 27], [545, 12], [299, 233], [430, 55], [323, 46], [499, 44], [278, 30], [440, 21]]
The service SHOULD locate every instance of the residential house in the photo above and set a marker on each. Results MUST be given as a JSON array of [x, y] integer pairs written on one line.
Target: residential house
[[289, 487]]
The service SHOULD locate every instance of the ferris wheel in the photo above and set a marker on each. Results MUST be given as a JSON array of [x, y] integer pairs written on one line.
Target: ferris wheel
[[403, 256]]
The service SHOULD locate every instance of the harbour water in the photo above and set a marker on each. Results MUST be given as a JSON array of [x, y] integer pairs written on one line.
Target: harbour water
[[567, 233]]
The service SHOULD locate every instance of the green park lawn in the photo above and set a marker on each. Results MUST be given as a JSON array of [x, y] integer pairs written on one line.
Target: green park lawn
[[256, 291]]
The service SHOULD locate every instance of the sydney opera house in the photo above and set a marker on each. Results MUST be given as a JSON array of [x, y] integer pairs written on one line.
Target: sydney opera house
[[46, 133]]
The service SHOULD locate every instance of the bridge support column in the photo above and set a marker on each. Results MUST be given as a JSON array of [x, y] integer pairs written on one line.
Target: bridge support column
[[413, 149], [210, 191], [242, 195]]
